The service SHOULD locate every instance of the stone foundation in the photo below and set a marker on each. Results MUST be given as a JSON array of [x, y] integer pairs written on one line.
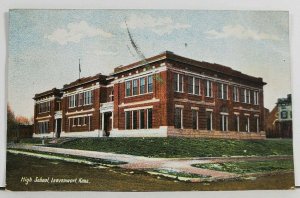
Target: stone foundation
[[172, 132]]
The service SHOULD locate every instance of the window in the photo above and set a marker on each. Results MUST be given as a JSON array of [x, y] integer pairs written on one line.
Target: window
[[197, 86], [237, 123], [178, 118], [44, 107], [255, 97], [135, 87], [222, 91], [178, 82], [235, 94], [80, 102], [150, 84], [134, 119], [257, 124], [149, 118], [127, 119], [209, 120], [248, 96], [208, 88], [142, 85], [193, 85], [224, 122], [247, 126], [43, 127], [87, 97], [128, 88], [142, 119], [194, 119], [72, 101], [111, 96]]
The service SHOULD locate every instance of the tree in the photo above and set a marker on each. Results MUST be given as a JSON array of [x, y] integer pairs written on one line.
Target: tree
[[11, 119], [22, 120]]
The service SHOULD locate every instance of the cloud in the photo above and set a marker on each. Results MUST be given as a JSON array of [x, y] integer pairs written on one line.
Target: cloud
[[158, 25], [240, 32], [75, 32]]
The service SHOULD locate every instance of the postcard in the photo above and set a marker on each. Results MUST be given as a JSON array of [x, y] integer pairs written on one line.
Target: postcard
[[149, 100]]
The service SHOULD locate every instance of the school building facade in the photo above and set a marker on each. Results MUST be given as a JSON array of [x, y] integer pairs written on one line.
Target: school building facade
[[164, 95]]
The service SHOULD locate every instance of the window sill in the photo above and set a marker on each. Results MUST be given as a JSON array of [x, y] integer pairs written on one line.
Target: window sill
[[139, 95]]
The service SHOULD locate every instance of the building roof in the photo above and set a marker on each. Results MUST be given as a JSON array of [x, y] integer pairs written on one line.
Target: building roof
[[81, 81], [54, 91], [167, 55]]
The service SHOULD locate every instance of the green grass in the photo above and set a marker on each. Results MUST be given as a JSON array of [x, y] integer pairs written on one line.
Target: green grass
[[246, 167], [34, 140], [182, 147], [94, 160]]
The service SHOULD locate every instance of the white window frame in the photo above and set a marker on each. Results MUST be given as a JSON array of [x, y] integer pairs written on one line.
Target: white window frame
[[73, 104], [224, 117], [256, 98], [209, 87], [248, 124], [178, 76], [235, 94], [194, 86], [211, 119], [197, 119]]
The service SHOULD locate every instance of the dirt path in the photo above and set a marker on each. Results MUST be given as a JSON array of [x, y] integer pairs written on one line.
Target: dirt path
[[182, 165]]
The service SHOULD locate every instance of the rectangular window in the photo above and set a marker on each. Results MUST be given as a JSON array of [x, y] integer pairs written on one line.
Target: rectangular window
[[222, 91], [248, 96], [72, 101], [127, 119], [142, 85], [243, 95], [237, 123], [209, 120], [255, 97], [247, 126], [191, 85], [87, 97], [150, 84], [142, 119], [135, 87], [43, 127], [197, 86], [149, 118], [235, 94], [44, 107], [80, 102], [178, 82], [208, 88], [195, 119], [224, 122], [257, 124], [178, 118], [134, 119], [128, 88]]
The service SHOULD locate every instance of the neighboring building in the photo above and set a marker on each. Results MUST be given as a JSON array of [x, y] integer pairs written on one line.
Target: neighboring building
[[279, 121], [165, 95]]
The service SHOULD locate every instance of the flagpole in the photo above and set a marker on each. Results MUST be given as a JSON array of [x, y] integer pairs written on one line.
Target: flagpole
[[79, 69]]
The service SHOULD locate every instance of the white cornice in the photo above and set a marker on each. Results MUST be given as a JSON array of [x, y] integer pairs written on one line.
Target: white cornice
[[139, 103], [81, 111]]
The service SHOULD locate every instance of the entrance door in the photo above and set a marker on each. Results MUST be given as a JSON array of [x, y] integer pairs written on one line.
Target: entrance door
[[58, 127], [107, 123]]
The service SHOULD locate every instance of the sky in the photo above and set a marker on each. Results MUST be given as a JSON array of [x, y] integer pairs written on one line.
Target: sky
[[45, 45]]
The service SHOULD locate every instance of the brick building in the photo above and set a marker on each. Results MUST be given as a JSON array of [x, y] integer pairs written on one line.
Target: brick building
[[165, 95]]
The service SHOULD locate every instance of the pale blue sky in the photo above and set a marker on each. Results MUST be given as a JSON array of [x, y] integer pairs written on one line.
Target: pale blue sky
[[45, 45]]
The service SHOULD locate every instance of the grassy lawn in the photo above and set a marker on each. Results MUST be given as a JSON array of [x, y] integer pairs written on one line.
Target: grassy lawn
[[182, 147], [250, 166], [116, 179]]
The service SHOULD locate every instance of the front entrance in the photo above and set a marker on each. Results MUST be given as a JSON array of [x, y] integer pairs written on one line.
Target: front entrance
[[107, 123], [58, 127]]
